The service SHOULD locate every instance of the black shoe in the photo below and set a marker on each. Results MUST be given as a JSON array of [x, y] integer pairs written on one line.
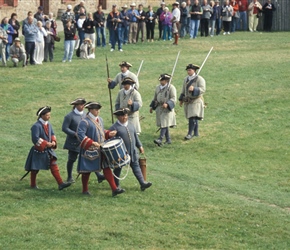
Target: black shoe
[[167, 142], [34, 187], [63, 185], [101, 178], [188, 137], [158, 142], [145, 185], [87, 193], [70, 180], [118, 191]]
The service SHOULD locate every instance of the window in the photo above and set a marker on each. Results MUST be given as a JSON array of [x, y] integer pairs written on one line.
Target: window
[[12, 3]]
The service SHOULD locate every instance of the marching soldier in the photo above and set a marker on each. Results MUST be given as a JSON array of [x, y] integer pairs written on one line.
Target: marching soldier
[[130, 98], [125, 72], [163, 103], [192, 98]]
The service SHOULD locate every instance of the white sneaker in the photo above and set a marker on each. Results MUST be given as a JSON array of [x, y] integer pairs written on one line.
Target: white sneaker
[[229, 33], [63, 61], [224, 33], [69, 60], [120, 50], [112, 50]]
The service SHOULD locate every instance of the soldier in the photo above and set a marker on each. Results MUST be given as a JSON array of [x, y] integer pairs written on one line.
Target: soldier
[[42, 155], [192, 97], [125, 72], [130, 98], [163, 103]]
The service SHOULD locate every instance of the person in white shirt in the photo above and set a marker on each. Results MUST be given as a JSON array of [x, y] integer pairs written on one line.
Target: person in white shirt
[[39, 44], [175, 21]]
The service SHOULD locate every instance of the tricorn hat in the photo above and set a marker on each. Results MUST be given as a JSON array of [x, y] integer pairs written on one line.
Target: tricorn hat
[[126, 64], [43, 110], [93, 105], [164, 77], [128, 80], [192, 66], [78, 101], [121, 112]]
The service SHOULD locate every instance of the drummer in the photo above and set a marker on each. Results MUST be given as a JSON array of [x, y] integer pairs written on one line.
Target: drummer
[[127, 132], [91, 134]]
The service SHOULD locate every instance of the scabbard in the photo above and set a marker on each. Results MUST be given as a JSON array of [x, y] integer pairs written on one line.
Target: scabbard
[[24, 175]]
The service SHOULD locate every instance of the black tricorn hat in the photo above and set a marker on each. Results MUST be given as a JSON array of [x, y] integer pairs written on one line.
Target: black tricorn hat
[[126, 64], [192, 66], [120, 112], [128, 80], [93, 105], [43, 110], [164, 77], [78, 101]]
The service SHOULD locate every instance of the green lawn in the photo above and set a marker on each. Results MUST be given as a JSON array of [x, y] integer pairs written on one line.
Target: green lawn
[[227, 189]]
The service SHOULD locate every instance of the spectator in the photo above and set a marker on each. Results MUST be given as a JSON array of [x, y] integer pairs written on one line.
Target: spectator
[[206, 13], [165, 18], [99, 18], [89, 28], [212, 19], [15, 25], [218, 11], [175, 21], [48, 42], [77, 9], [115, 26], [25, 21], [133, 26], [195, 12], [69, 41], [125, 25], [158, 13], [183, 19], [243, 9], [30, 31], [80, 25], [141, 23], [9, 31], [150, 23], [254, 8], [188, 8], [227, 13], [39, 43], [236, 15], [86, 49], [3, 42], [18, 53], [53, 22], [268, 9], [68, 16], [39, 16]]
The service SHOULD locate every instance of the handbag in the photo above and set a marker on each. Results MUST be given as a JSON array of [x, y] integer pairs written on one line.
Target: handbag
[[57, 38], [237, 14], [76, 37], [259, 14]]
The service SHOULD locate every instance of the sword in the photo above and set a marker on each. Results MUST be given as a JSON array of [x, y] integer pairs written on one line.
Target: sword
[[24, 175], [140, 68], [204, 60], [174, 66]]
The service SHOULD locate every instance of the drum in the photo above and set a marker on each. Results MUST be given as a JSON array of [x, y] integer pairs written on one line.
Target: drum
[[116, 152]]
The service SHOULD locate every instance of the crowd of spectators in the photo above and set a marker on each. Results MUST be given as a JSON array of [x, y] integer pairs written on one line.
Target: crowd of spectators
[[126, 26]]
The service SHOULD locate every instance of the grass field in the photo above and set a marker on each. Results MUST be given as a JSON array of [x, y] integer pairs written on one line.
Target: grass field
[[227, 189]]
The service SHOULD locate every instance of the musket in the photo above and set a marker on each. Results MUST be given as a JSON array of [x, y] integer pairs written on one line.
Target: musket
[[174, 66], [110, 94], [140, 68], [204, 60], [24, 175]]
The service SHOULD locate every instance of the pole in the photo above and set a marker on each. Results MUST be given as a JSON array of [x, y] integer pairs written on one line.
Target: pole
[[204, 60], [174, 66], [110, 94], [140, 68]]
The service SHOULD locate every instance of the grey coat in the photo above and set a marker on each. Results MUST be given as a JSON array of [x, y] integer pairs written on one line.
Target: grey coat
[[69, 126], [193, 101], [119, 78], [122, 102], [164, 117]]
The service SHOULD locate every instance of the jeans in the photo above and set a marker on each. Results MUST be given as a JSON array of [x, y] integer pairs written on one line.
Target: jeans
[[218, 23], [81, 36], [167, 30], [30, 47], [116, 36], [125, 34], [243, 18], [194, 25], [68, 49], [101, 31], [212, 26], [183, 29], [234, 24]]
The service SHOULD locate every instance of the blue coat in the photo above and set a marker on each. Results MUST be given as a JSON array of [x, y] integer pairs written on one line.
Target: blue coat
[[131, 140], [69, 126], [90, 131], [10, 33], [39, 156]]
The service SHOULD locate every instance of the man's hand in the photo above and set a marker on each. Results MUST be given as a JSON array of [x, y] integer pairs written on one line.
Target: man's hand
[[141, 149], [180, 103], [191, 88], [112, 133]]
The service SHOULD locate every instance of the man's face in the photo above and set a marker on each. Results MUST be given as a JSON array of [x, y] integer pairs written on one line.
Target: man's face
[[127, 86], [30, 19], [163, 82], [122, 118], [46, 117], [190, 72], [95, 112], [80, 107], [124, 69]]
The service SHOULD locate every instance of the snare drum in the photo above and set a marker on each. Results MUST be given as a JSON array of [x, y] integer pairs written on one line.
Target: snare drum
[[116, 152]]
